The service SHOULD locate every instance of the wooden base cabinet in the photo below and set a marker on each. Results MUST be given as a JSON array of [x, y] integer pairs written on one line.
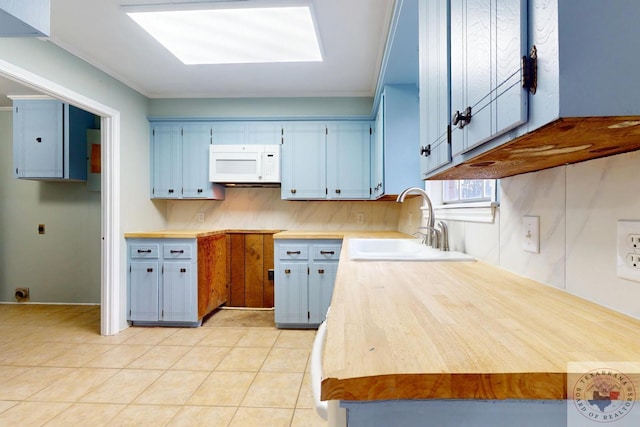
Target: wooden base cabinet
[[250, 258], [175, 282], [305, 273]]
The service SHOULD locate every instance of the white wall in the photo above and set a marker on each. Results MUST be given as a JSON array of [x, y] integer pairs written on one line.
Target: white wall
[[579, 206]]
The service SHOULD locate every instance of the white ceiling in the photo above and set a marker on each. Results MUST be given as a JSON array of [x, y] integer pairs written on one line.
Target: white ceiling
[[352, 33]]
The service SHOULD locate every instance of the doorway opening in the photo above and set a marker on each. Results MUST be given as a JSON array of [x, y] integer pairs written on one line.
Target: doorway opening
[[110, 191]]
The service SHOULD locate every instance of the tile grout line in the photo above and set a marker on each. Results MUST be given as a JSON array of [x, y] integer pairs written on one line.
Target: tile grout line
[[75, 367]]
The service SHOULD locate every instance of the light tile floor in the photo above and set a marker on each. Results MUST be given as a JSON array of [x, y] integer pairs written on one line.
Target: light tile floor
[[235, 370]]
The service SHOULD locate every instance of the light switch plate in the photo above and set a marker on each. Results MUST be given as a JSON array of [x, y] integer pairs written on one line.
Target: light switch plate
[[531, 234], [628, 250]]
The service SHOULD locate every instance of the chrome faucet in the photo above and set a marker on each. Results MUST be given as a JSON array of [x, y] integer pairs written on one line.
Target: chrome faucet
[[426, 203], [435, 234], [444, 236], [436, 237]]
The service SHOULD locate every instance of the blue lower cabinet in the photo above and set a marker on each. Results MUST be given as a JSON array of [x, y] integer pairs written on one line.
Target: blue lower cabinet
[[162, 282], [305, 273], [143, 291]]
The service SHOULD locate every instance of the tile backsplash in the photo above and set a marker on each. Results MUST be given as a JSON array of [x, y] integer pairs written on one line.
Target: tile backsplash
[[579, 206]]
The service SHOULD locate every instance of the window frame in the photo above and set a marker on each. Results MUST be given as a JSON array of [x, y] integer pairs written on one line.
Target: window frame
[[473, 210]]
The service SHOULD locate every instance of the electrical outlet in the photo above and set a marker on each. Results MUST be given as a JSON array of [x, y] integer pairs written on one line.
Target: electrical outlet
[[531, 234], [628, 250], [633, 241], [201, 217], [633, 260], [360, 218]]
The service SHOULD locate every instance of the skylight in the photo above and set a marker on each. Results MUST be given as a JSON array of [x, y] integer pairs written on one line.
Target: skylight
[[234, 36]]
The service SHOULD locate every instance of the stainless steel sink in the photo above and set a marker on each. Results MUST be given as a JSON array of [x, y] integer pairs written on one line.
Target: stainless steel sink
[[400, 250]]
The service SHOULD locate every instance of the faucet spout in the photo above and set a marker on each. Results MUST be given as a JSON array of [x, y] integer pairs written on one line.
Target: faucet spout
[[426, 204]]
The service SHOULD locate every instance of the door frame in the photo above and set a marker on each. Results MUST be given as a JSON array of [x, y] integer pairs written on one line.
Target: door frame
[[111, 262]]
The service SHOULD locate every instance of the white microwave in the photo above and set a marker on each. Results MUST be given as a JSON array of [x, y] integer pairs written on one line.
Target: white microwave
[[244, 164]]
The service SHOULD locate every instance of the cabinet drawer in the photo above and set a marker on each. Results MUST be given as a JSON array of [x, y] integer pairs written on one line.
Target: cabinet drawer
[[293, 252], [144, 251], [177, 251], [325, 252]]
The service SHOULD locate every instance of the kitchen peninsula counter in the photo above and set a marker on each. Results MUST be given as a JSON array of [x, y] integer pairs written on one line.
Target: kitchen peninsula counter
[[460, 330]]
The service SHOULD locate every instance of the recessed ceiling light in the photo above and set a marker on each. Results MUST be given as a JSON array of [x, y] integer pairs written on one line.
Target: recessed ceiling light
[[224, 34]]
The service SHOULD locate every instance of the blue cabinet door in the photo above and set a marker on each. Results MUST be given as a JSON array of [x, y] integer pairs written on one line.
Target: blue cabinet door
[[401, 135], [50, 140], [179, 298], [322, 276], [143, 291], [166, 150], [196, 139], [234, 133], [434, 85], [488, 40], [348, 160], [291, 293], [304, 161], [510, 100], [264, 133], [377, 153], [38, 139]]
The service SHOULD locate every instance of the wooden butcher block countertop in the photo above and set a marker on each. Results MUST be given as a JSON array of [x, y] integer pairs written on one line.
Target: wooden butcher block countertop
[[297, 234], [173, 234], [460, 330], [189, 234]]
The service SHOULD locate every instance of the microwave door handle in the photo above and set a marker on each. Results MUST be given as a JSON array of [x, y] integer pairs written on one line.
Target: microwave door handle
[[259, 162]]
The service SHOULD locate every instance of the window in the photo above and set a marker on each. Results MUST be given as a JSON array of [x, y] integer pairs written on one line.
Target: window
[[469, 190], [470, 200]]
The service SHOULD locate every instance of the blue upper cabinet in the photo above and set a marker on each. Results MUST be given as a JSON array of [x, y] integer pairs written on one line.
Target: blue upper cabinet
[[265, 133], [196, 139], [395, 146], [166, 150], [488, 41], [434, 80], [395, 158], [534, 85], [247, 132], [25, 18], [180, 161], [377, 153], [50, 140], [304, 160], [234, 133], [326, 160], [348, 160]]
